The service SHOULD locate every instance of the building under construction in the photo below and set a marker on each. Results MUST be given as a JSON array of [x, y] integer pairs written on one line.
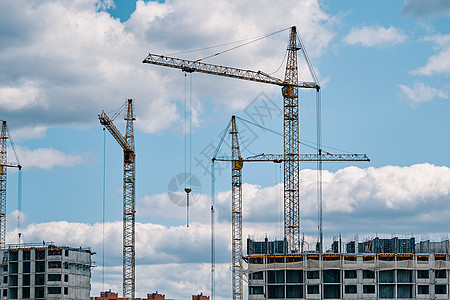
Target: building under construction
[[376, 269], [45, 271]]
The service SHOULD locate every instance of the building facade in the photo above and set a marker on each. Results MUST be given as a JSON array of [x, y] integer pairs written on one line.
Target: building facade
[[349, 276], [45, 271]]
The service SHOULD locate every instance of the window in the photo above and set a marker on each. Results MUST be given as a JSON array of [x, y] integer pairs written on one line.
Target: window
[[5, 279], [423, 274], [350, 273], [440, 273], [54, 277], [53, 290], [66, 291], [40, 254], [26, 267], [440, 289], [26, 292], [313, 289], [257, 290], [40, 266], [66, 277], [275, 276], [54, 265], [368, 289], [423, 289], [39, 292], [350, 289], [66, 252], [52, 252], [294, 276], [26, 279], [368, 274], [313, 274], [26, 254], [5, 293], [257, 275], [39, 279], [331, 276]]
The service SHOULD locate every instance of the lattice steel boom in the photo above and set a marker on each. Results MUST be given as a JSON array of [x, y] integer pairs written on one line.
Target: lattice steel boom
[[236, 194], [3, 171], [127, 144], [3, 161], [236, 210]]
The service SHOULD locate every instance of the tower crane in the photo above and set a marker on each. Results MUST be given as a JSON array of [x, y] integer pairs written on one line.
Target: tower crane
[[3, 167], [127, 144], [236, 195], [289, 89]]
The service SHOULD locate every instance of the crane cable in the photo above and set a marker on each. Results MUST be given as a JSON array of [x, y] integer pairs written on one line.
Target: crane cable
[[250, 40], [103, 209], [19, 186], [242, 45], [187, 143], [319, 168]]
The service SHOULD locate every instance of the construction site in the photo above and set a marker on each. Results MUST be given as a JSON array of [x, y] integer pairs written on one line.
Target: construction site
[[395, 268]]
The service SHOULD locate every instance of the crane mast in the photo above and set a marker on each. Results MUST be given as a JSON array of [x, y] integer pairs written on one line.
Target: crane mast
[[290, 86], [127, 144], [3, 166], [3, 162], [236, 210], [291, 147], [236, 194]]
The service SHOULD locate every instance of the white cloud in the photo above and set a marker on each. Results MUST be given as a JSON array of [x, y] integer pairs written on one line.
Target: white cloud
[[439, 63], [421, 93], [81, 60], [373, 200], [350, 192], [24, 96], [47, 158], [375, 36], [422, 9]]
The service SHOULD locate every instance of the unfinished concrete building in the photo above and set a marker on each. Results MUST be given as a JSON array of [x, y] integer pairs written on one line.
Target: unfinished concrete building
[[384, 269], [45, 271]]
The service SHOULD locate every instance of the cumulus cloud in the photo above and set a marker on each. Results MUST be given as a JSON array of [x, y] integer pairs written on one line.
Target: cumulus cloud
[[373, 200], [375, 36], [420, 93], [25, 96], [439, 63], [351, 192], [67, 67], [422, 9], [47, 158]]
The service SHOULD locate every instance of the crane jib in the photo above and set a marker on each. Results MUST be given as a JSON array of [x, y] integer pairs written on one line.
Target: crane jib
[[190, 66]]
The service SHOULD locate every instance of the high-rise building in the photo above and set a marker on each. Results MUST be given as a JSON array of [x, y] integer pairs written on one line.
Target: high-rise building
[[45, 271], [396, 269]]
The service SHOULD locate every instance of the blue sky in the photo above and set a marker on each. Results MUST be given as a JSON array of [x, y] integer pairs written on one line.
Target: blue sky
[[383, 67]]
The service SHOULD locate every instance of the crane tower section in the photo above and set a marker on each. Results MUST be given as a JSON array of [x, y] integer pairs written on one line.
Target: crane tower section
[[236, 210], [3, 167], [291, 146], [127, 144]]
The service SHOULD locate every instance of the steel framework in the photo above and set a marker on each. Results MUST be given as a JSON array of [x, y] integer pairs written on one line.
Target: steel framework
[[3, 167], [236, 194], [127, 144], [3, 162], [290, 86], [236, 210]]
